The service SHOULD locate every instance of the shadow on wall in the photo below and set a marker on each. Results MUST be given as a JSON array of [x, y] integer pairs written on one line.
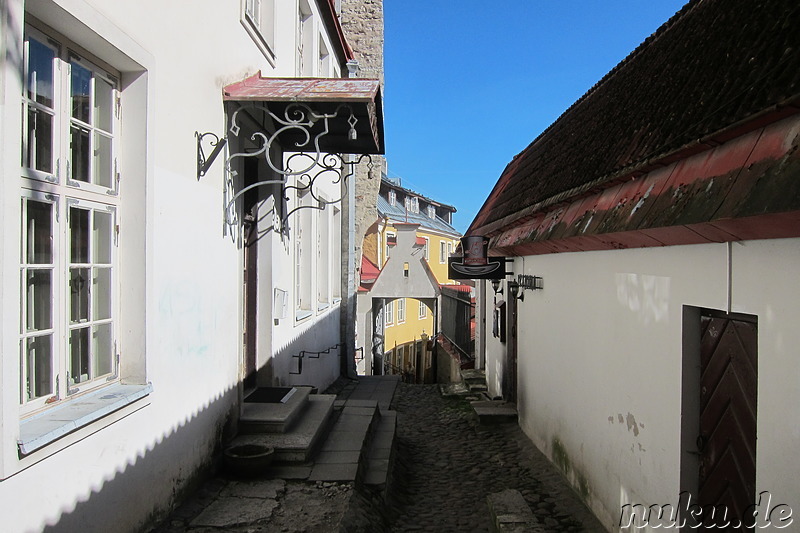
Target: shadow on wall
[[11, 35], [118, 499], [314, 366], [113, 506]]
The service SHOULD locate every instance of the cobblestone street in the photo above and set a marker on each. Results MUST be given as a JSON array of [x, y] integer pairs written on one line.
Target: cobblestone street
[[447, 464]]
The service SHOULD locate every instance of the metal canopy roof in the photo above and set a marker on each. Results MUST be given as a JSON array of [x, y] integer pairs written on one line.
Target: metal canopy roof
[[337, 98]]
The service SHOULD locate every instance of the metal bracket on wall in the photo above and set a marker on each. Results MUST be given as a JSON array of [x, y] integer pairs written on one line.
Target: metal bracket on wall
[[204, 162]]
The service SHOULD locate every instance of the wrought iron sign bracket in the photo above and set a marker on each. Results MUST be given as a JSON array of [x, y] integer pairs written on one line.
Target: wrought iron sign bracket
[[308, 164], [204, 162]]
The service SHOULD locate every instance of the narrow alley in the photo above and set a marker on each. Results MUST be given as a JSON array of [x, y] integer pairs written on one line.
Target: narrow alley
[[446, 465]]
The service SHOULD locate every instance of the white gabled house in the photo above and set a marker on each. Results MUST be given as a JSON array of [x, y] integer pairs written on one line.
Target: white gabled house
[[143, 286]]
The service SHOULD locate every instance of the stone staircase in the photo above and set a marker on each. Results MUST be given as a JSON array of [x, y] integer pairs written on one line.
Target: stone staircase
[[319, 438], [473, 388]]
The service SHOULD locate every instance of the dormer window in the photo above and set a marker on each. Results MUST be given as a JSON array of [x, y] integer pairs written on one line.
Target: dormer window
[[392, 197], [431, 212], [412, 204]]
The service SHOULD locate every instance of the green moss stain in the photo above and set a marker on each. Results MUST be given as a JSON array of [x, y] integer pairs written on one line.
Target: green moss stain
[[563, 462], [560, 456]]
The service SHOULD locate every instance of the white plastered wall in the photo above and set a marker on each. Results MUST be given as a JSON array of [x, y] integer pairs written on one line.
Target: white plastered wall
[[600, 362]]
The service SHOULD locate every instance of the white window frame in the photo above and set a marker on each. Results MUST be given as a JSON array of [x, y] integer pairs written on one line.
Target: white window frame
[[426, 248], [258, 19], [304, 254], [423, 310], [386, 244], [66, 194], [323, 267], [388, 313], [401, 310], [442, 252], [392, 197]]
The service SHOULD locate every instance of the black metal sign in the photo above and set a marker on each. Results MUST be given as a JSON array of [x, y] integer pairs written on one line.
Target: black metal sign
[[474, 263]]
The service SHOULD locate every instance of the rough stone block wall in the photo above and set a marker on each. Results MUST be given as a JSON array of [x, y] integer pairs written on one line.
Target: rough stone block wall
[[362, 21]]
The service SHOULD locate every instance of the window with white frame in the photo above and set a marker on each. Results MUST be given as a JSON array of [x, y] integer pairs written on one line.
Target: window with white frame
[[431, 212], [401, 310], [423, 310], [392, 197], [442, 252], [258, 18], [425, 247], [391, 241], [336, 254], [69, 223], [389, 312], [305, 40], [324, 67], [323, 257], [304, 258]]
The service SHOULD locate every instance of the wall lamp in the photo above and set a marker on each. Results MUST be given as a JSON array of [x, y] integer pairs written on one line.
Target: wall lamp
[[525, 282], [496, 286], [513, 290]]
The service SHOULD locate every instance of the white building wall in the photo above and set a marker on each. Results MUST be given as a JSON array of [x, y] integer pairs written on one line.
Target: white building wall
[[183, 331], [600, 362]]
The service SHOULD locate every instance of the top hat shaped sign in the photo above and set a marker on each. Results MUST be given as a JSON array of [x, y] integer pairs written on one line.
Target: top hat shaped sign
[[475, 264]]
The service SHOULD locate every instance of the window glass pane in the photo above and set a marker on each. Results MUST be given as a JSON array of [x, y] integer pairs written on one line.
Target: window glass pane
[[79, 235], [40, 72], [102, 348], [39, 364], [79, 294], [81, 85], [39, 140], [102, 237], [103, 167], [78, 355], [38, 233], [79, 153], [103, 104], [39, 300], [101, 294]]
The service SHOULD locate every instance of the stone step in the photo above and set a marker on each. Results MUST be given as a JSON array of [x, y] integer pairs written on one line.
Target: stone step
[[495, 411], [473, 376], [380, 456], [272, 416], [510, 513], [477, 387], [342, 456], [453, 390], [299, 443]]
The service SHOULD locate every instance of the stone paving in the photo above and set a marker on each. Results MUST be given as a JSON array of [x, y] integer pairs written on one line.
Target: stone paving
[[446, 465]]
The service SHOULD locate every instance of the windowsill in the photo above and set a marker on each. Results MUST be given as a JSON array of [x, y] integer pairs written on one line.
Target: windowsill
[[321, 306], [301, 314], [48, 426]]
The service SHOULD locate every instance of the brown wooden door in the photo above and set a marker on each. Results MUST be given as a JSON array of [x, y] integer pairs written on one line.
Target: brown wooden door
[[727, 437]]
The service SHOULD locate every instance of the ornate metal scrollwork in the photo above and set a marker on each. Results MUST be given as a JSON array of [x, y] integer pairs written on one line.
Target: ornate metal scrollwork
[[310, 164]]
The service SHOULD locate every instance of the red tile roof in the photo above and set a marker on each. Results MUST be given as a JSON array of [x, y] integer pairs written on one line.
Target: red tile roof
[[714, 66]]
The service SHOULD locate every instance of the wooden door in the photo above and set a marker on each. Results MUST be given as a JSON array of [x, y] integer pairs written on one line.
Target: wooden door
[[727, 437]]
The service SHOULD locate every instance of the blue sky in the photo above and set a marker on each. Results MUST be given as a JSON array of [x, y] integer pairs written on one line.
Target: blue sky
[[470, 86]]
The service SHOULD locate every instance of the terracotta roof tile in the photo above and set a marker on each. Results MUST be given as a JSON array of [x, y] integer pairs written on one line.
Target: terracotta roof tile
[[713, 65]]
